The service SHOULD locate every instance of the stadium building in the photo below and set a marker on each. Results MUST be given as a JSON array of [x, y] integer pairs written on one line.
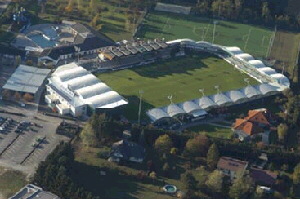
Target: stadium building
[[130, 54], [272, 83], [75, 91]]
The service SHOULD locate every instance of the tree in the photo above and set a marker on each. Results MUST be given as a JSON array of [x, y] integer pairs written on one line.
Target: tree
[[188, 180], [88, 136], [163, 144], [28, 97], [296, 174], [242, 187], [92, 6], [6, 94], [197, 146], [212, 156], [215, 181], [17, 96], [70, 6], [282, 131], [266, 12]]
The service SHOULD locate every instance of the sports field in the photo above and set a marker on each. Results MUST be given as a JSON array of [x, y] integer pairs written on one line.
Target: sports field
[[181, 77], [251, 39]]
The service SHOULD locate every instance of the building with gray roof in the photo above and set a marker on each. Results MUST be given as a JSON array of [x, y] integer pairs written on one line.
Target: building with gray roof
[[31, 191], [27, 79]]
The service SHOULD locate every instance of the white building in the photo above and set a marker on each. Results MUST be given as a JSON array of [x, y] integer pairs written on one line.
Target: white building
[[72, 90]]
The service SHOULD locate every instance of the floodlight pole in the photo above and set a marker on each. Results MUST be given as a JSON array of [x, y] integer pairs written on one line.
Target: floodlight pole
[[218, 90], [247, 81], [214, 31], [170, 98], [140, 106], [246, 43], [202, 91]]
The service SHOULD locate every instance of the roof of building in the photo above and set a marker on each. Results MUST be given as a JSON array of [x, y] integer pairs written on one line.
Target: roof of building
[[205, 102], [257, 63], [26, 79], [234, 50], [80, 28], [231, 164], [77, 83], [251, 91], [263, 177], [267, 89], [236, 95], [220, 99], [31, 191], [245, 56], [128, 150], [250, 124]]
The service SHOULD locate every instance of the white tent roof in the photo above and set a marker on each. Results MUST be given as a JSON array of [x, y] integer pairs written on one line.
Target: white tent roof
[[281, 79], [87, 88], [250, 91], [220, 99], [156, 114], [267, 88], [173, 110], [235, 95], [95, 89], [189, 106], [257, 63], [234, 50], [245, 56], [267, 70], [205, 102]]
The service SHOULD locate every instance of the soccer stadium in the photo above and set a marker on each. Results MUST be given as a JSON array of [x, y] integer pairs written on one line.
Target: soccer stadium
[[201, 77]]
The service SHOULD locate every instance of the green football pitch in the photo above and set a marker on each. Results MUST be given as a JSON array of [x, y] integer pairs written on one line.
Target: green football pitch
[[252, 39], [180, 77]]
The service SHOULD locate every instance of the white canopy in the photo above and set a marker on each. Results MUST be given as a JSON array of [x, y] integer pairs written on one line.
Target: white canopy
[[257, 63], [221, 99], [236, 95], [245, 56], [250, 91]]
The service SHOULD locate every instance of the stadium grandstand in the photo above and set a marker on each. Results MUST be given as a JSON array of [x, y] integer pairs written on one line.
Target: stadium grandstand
[[130, 54], [73, 90], [272, 83]]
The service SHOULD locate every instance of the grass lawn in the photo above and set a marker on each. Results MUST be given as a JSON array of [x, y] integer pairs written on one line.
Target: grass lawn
[[173, 26], [10, 182], [119, 181], [180, 77], [212, 131]]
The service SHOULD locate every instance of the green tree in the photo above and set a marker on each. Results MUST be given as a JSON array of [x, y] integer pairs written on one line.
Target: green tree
[[163, 144], [215, 181], [188, 180], [282, 131], [212, 156], [266, 15], [242, 187], [197, 146], [296, 174], [88, 136]]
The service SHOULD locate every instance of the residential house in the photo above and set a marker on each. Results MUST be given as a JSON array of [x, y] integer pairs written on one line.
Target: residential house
[[263, 177], [230, 166], [258, 122], [127, 151]]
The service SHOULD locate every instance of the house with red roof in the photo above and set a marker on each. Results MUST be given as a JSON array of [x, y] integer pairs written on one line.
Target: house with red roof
[[258, 122], [230, 166]]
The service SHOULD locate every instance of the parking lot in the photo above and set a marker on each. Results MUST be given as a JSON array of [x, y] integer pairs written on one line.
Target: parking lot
[[26, 140]]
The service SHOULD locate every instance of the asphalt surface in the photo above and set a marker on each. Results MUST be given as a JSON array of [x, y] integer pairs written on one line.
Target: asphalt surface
[[16, 149]]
